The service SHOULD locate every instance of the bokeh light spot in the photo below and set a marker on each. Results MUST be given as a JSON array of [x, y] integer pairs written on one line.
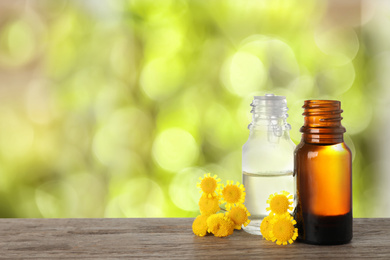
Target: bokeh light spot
[[232, 165], [165, 42], [16, 135], [56, 199], [90, 190], [123, 47], [183, 190], [38, 103], [119, 135], [16, 44], [357, 113], [179, 114], [277, 57], [136, 197], [342, 44], [247, 74], [221, 130], [302, 86], [161, 77], [336, 80], [175, 149]]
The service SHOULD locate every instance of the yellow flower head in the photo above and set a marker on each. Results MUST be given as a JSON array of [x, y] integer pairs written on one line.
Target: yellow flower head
[[220, 225], [199, 226], [208, 204], [265, 227], [233, 194], [239, 215], [280, 203], [283, 230], [208, 184]]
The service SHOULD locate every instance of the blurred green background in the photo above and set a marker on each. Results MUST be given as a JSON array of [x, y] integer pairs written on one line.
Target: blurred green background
[[115, 108]]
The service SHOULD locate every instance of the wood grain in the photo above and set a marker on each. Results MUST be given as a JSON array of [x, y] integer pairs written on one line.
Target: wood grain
[[169, 239]]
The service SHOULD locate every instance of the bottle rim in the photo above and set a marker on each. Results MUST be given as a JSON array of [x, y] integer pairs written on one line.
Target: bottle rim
[[322, 119], [269, 108], [323, 107], [270, 97]]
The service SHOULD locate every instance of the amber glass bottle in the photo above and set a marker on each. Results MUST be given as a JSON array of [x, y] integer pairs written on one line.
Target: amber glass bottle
[[323, 171]]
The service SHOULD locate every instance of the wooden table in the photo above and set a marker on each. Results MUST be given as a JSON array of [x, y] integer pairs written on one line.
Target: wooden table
[[168, 239]]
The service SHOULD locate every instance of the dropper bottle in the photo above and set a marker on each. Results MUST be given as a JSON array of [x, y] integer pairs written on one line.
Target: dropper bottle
[[267, 157]]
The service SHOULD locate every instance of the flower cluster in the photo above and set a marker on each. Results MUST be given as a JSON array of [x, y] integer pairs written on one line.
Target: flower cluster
[[278, 226], [214, 196]]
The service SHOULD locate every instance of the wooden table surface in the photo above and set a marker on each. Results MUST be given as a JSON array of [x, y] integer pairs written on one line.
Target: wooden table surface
[[169, 239]]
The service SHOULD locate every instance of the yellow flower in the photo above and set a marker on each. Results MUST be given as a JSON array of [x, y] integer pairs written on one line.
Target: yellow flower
[[239, 215], [208, 184], [199, 226], [208, 204], [283, 230], [279, 203], [220, 225], [233, 194], [265, 227]]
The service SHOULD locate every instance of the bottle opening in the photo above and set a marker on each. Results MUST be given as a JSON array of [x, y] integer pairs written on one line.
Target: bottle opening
[[322, 121], [270, 106], [270, 97], [270, 110], [323, 107]]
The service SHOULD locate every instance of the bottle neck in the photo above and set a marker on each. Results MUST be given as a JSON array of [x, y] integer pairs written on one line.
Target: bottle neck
[[322, 122], [271, 130], [268, 110], [269, 124], [269, 114], [322, 139]]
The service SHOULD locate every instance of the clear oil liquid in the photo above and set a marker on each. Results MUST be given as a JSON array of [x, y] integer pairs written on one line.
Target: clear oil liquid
[[258, 187]]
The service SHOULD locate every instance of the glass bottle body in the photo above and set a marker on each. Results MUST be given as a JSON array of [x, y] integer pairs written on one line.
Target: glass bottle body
[[323, 169], [267, 165]]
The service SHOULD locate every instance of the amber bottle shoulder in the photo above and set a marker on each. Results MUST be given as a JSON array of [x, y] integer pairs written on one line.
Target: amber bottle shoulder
[[336, 148]]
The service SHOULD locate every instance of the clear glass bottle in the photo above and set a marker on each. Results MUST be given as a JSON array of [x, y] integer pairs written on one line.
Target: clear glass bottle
[[323, 170], [267, 157]]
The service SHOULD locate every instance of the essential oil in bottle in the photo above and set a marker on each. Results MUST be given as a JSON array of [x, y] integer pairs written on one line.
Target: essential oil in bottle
[[323, 171], [267, 157]]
